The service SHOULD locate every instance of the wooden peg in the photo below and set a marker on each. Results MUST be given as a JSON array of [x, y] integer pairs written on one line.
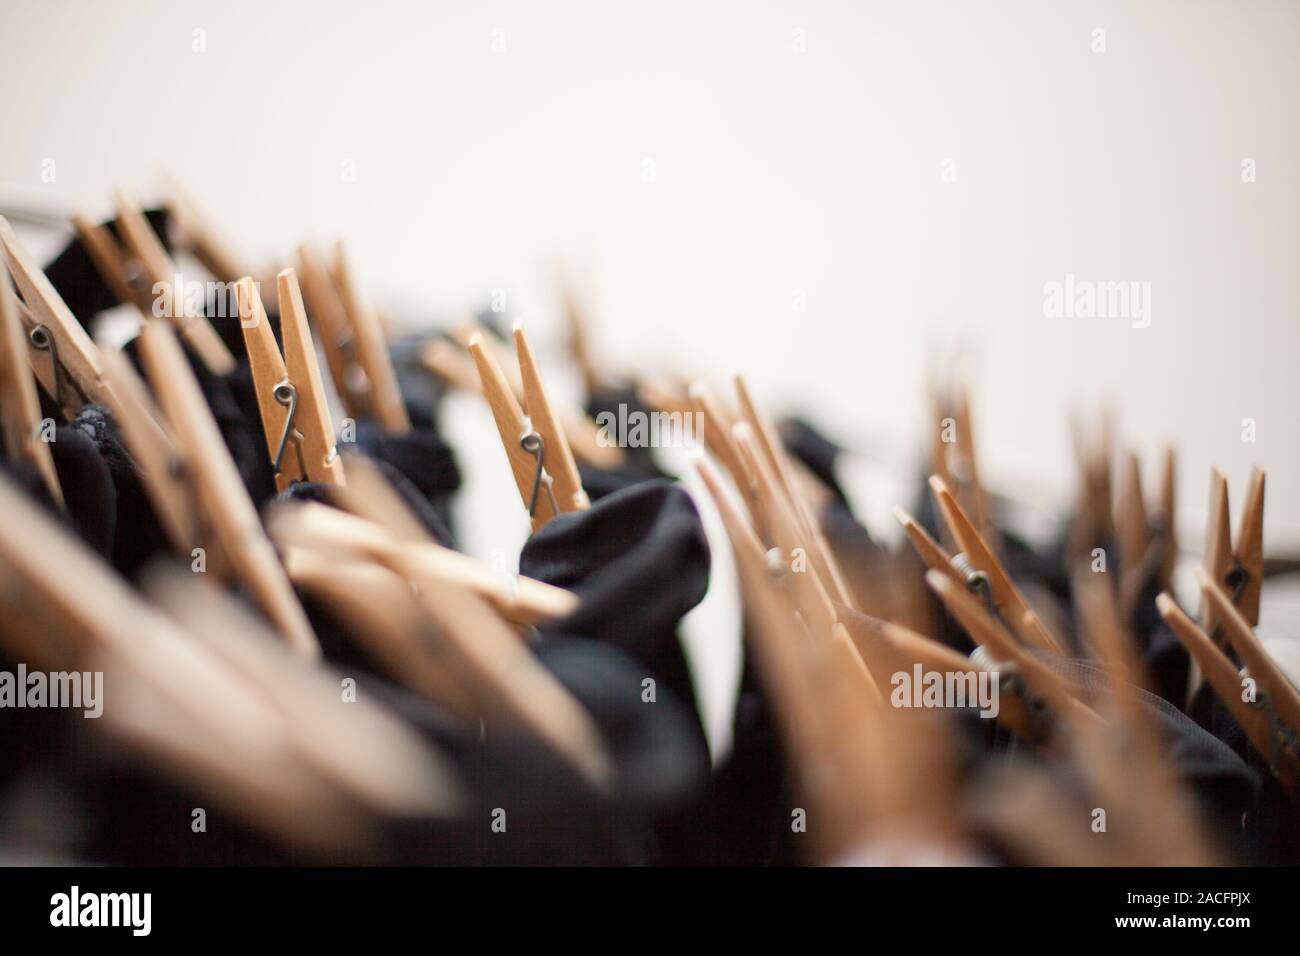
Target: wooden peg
[[558, 457], [1249, 551], [20, 408], [145, 245], [224, 500], [1221, 674], [1280, 692], [512, 426], [1004, 593], [385, 398], [325, 309], [80, 372], [1218, 549]]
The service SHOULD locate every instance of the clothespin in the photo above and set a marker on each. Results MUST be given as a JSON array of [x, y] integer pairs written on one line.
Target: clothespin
[[526, 448], [1165, 517], [773, 453], [1132, 528], [1239, 570], [325, 310], [985, 631], [456, 368], [290, 394], [66, 361], [898, 648], [222, 497], [979, 568], [967, 472], [1271, 720], [559, 462], [161, 271], [20, 408], [384, 398], [379, 610], [197, 234], [111, 261], [331, 530], [811, 592]]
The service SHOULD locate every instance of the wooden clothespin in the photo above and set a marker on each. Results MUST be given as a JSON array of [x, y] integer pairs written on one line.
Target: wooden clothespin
[[1240, 570], [967, 470], [325, 310], [384, 398], [974, 618], [812, 594], [290, 393], [63, 357], [20, 408], [773, 453], [1271, 721], [111, 261], [162, 273], [222, 497], [198, 235], [521, 600], [455, 367], [1165, 517], [898, 648], [556, 455], [980, 569], [529, 450], [329, 530], [1132, 527]]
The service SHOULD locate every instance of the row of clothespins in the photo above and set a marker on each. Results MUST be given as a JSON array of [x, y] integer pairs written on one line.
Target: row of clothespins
[[825, 647], [372, 561]]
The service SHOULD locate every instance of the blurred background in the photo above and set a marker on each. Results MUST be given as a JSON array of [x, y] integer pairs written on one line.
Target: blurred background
[[832, 197]]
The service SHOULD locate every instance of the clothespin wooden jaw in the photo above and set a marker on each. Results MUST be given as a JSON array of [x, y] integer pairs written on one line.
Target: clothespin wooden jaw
[[1269, 712], [198, 235], [326, 311], [535, 443], [219, 489], [384, 398], [111, 261], [163, 276], [977, 566], [63, 357], [1240, 570], [20, 408], [556, 455], [290, 393]]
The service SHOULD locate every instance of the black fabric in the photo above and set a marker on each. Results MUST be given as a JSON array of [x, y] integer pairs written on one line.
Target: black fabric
[[78, 282], [553, 816], [422, 392], [814, 450], [639, 560], [418, 504], [87, 482], [638, 463], [1224, 786], [417, 461], [140, 536]]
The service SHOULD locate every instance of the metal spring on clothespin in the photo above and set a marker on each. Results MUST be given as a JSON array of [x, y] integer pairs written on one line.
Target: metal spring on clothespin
[[43, 341], [532, 443], [977, 582], [287, 396]]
